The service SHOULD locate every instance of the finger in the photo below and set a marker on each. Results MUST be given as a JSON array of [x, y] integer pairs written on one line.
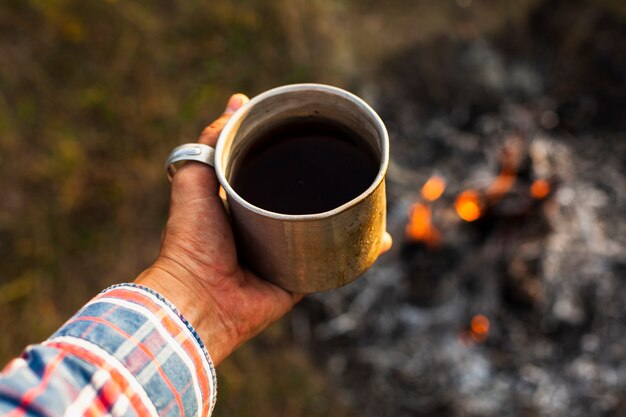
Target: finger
[[297, 297], [212, 132], [387, 243]]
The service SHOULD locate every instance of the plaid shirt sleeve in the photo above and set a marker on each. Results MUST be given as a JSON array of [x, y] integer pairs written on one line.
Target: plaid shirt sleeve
[[128, 352]]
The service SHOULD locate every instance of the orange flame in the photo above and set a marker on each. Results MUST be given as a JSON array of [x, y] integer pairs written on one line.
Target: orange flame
[[433, 188], [420, 226], [468, 205], [540, 189], [501, 185], [510, 158], [479, 328]]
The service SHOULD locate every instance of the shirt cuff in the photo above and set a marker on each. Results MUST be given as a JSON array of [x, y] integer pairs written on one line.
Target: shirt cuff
[[135, 333]]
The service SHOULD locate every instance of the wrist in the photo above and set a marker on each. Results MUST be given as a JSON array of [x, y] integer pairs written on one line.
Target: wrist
[[191, 302]]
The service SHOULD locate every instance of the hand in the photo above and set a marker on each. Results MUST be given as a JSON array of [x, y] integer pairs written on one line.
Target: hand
[[197, 268]]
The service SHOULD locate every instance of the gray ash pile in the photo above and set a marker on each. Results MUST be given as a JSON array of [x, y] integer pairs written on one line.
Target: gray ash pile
[[505, 292]]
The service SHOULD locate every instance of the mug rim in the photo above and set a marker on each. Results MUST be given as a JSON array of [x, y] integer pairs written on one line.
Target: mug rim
[[244, 110]]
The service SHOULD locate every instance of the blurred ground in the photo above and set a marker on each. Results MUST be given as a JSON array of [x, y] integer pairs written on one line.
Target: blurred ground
[[93, 95]]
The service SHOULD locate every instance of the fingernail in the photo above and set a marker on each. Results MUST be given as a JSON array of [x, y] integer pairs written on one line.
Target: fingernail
[[235, 101], [387, 242]]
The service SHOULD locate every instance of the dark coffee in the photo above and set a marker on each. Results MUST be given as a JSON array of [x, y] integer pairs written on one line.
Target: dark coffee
[[304, 167]]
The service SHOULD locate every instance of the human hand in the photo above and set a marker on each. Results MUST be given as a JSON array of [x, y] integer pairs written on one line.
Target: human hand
[[197, 267]]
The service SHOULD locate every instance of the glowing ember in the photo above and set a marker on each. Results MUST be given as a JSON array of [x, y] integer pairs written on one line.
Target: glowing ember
[[468, 205], [420, 228], [419, 222], [540, 189], [434, 188], [479, 328], [501, 185]]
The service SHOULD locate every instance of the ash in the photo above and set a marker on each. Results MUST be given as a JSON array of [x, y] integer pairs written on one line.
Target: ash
[[547, 273]]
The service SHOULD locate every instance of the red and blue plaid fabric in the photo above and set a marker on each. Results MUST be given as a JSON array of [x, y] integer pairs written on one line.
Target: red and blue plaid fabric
[[128, 352]]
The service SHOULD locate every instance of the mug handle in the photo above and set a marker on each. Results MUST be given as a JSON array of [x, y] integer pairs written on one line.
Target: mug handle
[[198, 152]]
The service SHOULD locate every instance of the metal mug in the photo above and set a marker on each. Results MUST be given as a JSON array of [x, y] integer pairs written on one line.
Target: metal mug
[[310, 252]]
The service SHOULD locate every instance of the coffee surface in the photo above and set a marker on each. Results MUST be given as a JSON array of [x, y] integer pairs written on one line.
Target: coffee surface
[[304, 167]]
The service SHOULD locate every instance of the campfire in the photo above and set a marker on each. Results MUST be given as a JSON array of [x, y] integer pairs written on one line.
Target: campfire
[[471, 204], [504, 292]]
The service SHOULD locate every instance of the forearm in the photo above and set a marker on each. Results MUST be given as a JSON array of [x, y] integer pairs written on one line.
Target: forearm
[[196, 306], [127, 352]]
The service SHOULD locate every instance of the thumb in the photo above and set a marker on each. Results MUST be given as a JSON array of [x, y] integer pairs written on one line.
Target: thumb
[[212, 132], [196, 180]]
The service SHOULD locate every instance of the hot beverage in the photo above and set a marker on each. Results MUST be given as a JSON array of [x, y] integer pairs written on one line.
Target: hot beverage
[[304, 166]]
